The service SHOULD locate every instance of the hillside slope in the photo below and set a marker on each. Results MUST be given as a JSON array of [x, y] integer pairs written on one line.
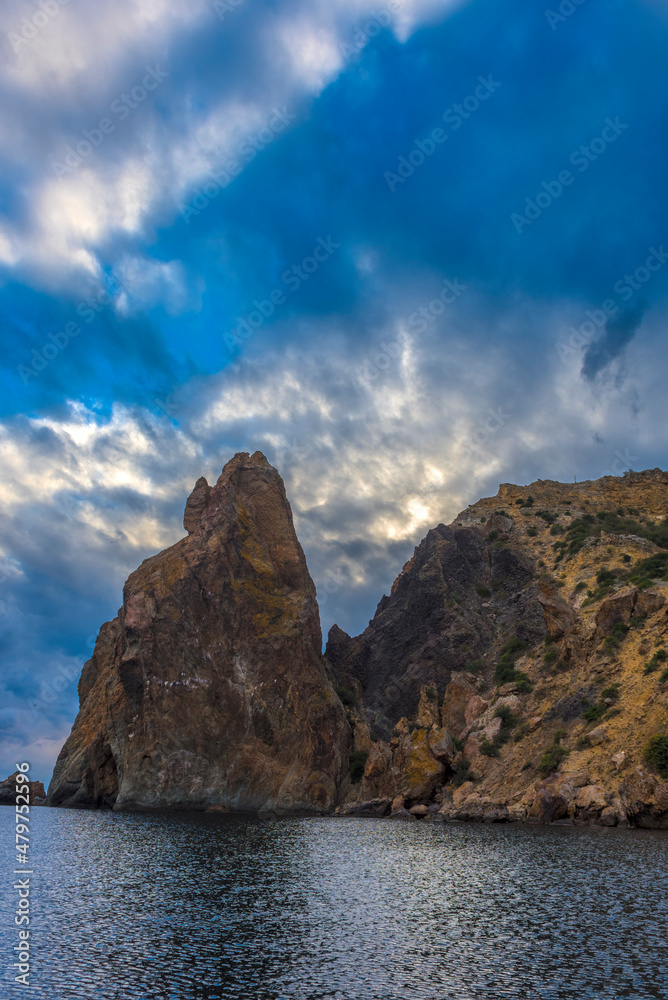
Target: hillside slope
[[518, 670]]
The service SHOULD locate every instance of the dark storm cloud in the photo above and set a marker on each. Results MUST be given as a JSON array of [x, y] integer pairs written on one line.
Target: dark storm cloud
[[619, 332]]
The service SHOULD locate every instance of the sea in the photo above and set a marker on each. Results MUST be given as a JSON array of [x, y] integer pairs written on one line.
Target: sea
[[197, 906]]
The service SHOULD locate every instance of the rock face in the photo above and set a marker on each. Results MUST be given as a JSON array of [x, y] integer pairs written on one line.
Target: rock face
[[517, 672], [36, 792], [209, 689], [519, 666], [436, 620]]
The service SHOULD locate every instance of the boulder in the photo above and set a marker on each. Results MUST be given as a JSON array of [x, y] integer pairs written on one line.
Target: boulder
[[378, 763], [644, 798], [403, 814], [441, 745], [458, 694], [609, 816], [398, 803], [616, 608], [619, 760], [420, 772], [419, 811], [462, 793], [509, 688], [597, 736], [373, 807], [510, 701], [492, 729], [591, 799], [547, 806], [474, 708], [648, 603], [559, 615], [428, 713]]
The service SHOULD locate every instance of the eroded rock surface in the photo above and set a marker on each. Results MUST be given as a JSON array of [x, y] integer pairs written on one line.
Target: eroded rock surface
[[209, 689], [36, 793]]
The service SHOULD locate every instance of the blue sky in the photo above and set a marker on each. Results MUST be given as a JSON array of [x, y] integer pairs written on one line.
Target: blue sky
[[409, 250]]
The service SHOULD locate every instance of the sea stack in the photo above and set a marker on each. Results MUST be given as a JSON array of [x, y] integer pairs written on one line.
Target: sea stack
[[208, 691]]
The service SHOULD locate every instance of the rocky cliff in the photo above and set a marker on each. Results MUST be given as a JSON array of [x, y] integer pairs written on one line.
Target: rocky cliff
[[518, 669], [208, 690]]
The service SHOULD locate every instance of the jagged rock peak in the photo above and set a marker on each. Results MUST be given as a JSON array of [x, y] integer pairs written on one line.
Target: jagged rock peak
[[241, 471], [209, 689]]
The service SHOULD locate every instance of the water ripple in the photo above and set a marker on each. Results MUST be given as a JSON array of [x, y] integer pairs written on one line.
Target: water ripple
[[196, 907]]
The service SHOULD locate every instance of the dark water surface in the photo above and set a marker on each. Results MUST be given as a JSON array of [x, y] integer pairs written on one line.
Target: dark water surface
[[192, 906]]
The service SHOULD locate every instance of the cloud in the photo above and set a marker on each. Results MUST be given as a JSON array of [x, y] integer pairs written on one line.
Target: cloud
[[385, 411], [369, 467], [619, 332]]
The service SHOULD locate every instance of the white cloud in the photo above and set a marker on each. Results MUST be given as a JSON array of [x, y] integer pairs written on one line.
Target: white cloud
[[366, 468], [142, 173]]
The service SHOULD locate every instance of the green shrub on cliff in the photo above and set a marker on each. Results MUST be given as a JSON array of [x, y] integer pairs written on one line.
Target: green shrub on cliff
[[475, 666], [614, 641], [345, 694], [594, 712], [551, 759], [505, 668], [506, 716], [356, 765], [588, 526], [659, 657], [656, 753], [645, 572], [461, 772], [489, 748]]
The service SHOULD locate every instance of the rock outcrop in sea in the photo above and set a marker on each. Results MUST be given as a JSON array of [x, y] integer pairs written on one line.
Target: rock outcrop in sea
[[517, 671], [36, 793], [209, 690]]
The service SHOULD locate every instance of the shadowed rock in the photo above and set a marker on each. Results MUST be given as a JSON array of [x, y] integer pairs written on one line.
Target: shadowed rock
[[209, 690]]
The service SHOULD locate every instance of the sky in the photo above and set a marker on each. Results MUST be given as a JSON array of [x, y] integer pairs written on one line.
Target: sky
[[408, 250]]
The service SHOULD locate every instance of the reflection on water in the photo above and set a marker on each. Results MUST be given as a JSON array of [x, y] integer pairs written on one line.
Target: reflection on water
[[191, 906]]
